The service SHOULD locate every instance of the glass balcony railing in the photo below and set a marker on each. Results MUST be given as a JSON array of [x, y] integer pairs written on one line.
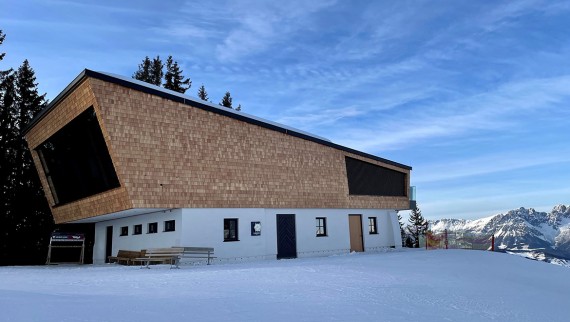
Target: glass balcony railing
[[412, 195]]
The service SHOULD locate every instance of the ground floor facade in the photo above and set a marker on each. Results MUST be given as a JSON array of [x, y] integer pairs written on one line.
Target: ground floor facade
[[241, 234]]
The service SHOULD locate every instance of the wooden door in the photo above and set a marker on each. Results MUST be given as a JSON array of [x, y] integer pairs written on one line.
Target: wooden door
[[355, 228], [286, 236]]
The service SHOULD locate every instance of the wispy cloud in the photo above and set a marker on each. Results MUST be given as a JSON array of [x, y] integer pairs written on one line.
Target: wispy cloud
[[129, 8], [487, 164], [504, 14], [492, 111], [323, 117], [478, 206], [260, 25]]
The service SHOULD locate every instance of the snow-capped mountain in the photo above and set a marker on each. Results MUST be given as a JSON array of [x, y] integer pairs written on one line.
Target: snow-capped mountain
[[534, 234]]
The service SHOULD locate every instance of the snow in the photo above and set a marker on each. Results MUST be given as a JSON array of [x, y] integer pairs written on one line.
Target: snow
[[479, 224], [407, 285]]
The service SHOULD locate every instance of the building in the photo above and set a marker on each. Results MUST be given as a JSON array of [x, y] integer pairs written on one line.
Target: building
[[155, 168]]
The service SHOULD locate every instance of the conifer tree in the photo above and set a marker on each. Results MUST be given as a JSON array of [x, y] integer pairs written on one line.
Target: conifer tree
[[417, 226], [402, 231], [143, 73], [2, 37], [5, 91], [173, 78], [7, 133], [151, 71], [33, 220], [227, 100], [202, 94], [24, 213], [156, 72]]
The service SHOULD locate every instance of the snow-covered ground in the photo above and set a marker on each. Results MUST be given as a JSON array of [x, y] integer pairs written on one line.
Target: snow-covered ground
[[413, 285]]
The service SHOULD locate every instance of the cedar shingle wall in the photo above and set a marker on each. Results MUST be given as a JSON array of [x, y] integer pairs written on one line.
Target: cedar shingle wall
[[170, 155], [174, 155], [75, 103]]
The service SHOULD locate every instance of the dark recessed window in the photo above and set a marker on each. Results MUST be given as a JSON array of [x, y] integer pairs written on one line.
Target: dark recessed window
[[152, 228], [125, 231], [230, 229], [76, 161], [373, 180], [321, 226], [169, 225], [372, 225], [137, 230]]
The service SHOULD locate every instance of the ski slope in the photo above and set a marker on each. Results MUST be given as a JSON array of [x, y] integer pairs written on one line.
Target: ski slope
[[408, 285]]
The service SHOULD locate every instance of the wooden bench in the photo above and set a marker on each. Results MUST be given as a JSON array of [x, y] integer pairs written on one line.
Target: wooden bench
[[197, 252], [173, 255], [125, 256], [160, 255]]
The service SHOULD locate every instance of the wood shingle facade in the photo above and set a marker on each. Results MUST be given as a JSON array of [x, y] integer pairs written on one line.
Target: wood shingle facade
[[170, 151]]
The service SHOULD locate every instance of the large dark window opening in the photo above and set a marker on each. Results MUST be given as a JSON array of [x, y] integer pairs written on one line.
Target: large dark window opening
[[76, 161], [369, 179]]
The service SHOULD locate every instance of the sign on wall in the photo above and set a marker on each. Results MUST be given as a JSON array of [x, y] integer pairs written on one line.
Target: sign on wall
[[255, 228]]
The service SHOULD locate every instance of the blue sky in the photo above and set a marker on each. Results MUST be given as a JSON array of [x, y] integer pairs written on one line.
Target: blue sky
[[474, 95]]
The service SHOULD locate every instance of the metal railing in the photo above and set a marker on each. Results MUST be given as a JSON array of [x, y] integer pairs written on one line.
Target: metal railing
[[454, 240]]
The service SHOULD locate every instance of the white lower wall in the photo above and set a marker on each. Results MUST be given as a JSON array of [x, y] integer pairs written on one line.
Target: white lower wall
[[137, 242], [204, 227]]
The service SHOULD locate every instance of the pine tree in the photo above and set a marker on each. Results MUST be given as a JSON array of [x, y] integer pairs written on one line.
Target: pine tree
[[173, 78], [33, 220], [7, 139], [24, 213], [417, 226], [402, 231], [156, 72], [238, 108], [202, 94], [2, 37], [143, 74], [6, 88], [227, 100]]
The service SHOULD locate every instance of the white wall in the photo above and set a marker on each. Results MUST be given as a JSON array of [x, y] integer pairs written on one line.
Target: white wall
[[204, 228], [137, 242]]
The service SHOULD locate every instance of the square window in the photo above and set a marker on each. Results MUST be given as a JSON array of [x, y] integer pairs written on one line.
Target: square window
[[230, 229], [152, 228], [125, 231], [169, 225], [321, 226], [137, 230], [372, 225]]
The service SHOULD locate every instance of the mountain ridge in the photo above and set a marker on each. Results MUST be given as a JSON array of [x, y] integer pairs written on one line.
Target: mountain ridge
[[524, 231]]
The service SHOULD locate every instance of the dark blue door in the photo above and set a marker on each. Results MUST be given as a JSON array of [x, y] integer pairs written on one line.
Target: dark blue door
[[286, 237]]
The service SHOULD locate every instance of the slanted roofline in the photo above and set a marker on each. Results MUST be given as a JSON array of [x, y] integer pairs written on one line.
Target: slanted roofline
[[197, 103]]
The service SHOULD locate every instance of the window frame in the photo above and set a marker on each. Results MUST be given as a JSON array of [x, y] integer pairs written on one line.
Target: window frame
[[321, 225], [137, 231], [372, 226], [167, 227], [228, 224], [124, 231], [152, 231], [76, 160]]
